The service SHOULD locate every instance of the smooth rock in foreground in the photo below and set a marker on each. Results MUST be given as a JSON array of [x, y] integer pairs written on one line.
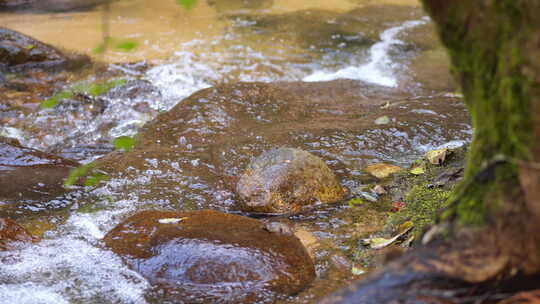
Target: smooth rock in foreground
[[208, 256], [284, 180]]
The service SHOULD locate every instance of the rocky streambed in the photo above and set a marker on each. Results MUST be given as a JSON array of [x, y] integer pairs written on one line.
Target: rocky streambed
[[241, 184]]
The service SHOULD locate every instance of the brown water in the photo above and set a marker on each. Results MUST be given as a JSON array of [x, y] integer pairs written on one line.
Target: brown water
[[159, 27]]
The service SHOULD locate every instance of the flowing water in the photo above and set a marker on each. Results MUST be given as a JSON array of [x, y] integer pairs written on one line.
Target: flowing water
[[184, 51]]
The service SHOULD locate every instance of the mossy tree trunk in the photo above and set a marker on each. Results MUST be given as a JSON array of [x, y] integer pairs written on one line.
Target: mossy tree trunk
[[494, 46], [489, 238]]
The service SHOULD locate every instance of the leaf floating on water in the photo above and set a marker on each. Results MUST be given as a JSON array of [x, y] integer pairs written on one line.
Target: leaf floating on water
[[357, 270], [55, 99], [125, 143], [187, 4], [417, 171], [126, 45], [383, 120], [172, 220], [437, 157]]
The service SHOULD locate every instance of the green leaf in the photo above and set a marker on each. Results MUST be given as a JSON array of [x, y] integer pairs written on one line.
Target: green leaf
[[125, 143], [356, 201], [75, 174], [95, 179], [187, 4], [55, 99], [126, 45], [417, 171], [102, 88], [49, 103]]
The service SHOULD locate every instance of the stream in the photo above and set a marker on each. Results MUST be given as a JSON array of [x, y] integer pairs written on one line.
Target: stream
[[331, 53]]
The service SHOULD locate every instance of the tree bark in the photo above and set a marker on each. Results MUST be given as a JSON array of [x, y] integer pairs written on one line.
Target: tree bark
[[490, 235], [494, 47]]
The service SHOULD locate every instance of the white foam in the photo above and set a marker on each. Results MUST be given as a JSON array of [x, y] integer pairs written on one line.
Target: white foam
[[380, 69], [30, 293], [72, 265]]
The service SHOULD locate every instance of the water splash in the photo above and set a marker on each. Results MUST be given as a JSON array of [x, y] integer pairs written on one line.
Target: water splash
[[380, 68]]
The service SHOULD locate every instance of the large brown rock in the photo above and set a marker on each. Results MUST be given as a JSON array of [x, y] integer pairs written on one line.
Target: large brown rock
[[208, 256], [284, 180], [28, 174]]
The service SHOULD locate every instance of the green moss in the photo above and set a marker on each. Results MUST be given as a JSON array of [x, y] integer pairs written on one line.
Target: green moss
[[422, 207]]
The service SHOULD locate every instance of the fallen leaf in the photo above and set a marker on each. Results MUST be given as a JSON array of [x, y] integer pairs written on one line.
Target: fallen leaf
[[405, 226], [437, 157], [356, 201], [382, 170], [417, 171], [379, 243]]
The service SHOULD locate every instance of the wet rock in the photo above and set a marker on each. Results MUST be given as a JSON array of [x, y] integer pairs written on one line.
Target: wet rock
[[20, 52], [49, 5], [12, 233], [28, 174], [193, 155], [382, 170], [284, 180], [208, 256]]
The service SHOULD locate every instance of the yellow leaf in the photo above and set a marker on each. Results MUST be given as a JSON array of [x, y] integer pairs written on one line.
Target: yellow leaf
[[417, 171]]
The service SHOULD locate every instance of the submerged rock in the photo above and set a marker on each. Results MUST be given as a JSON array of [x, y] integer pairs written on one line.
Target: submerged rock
[[20, 52], [28, 174], [11, 233], [212, 257], [284, 180]]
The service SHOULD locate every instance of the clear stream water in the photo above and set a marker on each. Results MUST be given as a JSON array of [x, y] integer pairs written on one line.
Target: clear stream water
[[187, 51]]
